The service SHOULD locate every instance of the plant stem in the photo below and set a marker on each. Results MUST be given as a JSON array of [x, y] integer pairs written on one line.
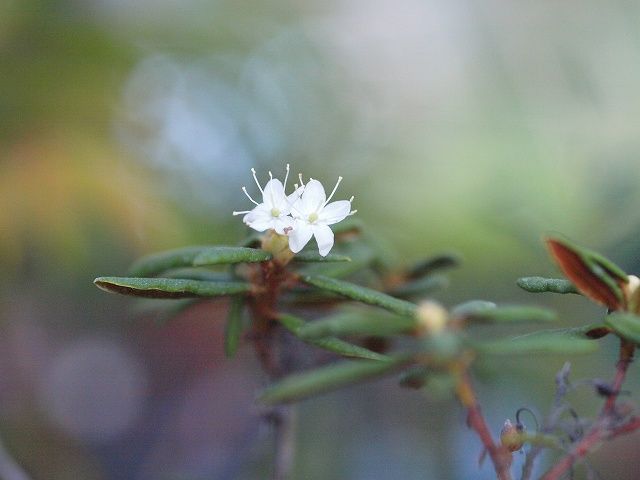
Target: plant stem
[[604, 427], [270, 343], [500, 456], [284, 425]]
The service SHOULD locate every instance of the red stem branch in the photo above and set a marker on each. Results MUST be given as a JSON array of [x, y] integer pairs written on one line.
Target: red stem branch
[[500, 456], [602, 428]]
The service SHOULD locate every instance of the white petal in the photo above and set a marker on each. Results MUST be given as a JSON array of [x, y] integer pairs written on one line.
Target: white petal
[[324, 238], [281, 223], [259, 218], [293, 202], [335, 212], [300, 236], [273, 195], [312, 198]]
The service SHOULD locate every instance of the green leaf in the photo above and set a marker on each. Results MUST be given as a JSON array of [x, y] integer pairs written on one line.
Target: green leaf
[[169, 287], [362, 294], [199, 274], [358, 323], [361, 257], [155, 263], [233, 327], [467, 308], [541, 285], [429, 265], [415, 377], [560, 341], [594, 275], [420, 287], [316, 257], [224, 255], [332, 377], [511, 314], [335, 345], [627, 325]]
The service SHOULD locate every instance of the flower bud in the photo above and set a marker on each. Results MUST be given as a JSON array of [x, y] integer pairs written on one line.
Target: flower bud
[[632, 292], [511, 436], [432, 318]]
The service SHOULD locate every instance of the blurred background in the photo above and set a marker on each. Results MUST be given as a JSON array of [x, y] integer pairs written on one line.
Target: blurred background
[[129, 127]]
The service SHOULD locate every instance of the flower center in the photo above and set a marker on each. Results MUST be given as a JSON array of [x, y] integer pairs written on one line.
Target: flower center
[[275, 212], [313, 217]]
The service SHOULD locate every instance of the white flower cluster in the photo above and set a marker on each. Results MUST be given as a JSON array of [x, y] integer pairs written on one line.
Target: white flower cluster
[[303, 214]]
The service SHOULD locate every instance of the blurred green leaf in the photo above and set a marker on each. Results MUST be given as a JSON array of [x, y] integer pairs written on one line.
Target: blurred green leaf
[[233, 327], [595, 276], [169, 287], [431, 264], [561, 341], [358, 323], [362, 294], [163, 310], [335, 345], [542, 284], [511, 314], [223, 255], [316, 257], [467, 308], [420, 287], [627, 325], [332, 377], [151, 265], [361, 257]]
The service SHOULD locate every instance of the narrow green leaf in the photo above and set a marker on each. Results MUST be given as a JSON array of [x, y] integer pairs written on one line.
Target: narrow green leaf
[[335, 345], [511, 314], [332, 377], [559, 341], [627, 325], [233, 327], [358, 323], [420, 287], [541, 285], [362, 294], [361, 255], [467, 308], [199, 274], [431, 264], [316, 257], [224, 255], [169, 287], [156, 263]]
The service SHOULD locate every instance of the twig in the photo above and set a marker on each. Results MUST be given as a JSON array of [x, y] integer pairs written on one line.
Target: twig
[[284, 425], [500, 456], [9, 469], [605, 426]]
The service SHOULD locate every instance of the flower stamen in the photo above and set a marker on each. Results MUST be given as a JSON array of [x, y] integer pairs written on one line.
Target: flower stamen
[[244, 189], [333, 192], [286, 177], [253, 171]]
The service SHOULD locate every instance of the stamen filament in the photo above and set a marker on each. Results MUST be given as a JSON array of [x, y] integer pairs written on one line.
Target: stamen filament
[[243, 212], [351, 199], [333, 192], [285, 179], [253, 171], [301, 182], [244, 189]]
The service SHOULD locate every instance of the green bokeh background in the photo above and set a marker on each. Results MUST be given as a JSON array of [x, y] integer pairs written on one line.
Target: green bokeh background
[[129, 127]]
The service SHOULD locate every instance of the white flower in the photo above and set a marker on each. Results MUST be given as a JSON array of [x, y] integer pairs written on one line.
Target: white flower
[[273, 212], [313, 214]]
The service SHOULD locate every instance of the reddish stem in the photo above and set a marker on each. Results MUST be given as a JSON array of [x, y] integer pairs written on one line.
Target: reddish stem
[[601, 429], [500, 456]]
